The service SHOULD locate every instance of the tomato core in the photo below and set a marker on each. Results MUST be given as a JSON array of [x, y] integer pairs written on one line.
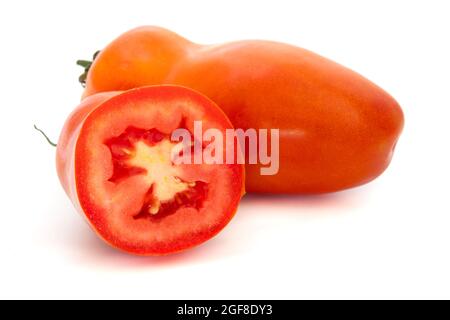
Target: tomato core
[[147, 152]]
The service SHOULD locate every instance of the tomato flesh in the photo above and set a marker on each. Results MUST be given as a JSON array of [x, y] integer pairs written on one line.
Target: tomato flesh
[[128, 147], [191, 198]]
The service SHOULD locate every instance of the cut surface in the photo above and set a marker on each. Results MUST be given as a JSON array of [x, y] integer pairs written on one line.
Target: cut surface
[[128, 187], [148, 153], [160, 170]]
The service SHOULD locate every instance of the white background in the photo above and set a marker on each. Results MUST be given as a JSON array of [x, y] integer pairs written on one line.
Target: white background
[[388, 239]]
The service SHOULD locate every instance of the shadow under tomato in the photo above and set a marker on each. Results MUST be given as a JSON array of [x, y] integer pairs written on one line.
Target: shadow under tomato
[[95, 251], [303, 204], [68, 233], [82, 245]]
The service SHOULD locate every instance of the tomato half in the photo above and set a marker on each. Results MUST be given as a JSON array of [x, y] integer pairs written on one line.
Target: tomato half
[[114, 161]]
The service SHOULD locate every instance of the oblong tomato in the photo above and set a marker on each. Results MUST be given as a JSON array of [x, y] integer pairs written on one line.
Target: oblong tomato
[[114, 161], [337, 129]]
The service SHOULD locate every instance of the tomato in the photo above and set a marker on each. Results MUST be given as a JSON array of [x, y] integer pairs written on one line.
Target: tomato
[[337, 129], [114, 161]]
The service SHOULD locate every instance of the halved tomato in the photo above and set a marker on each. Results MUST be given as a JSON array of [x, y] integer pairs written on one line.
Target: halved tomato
[[115, 162]]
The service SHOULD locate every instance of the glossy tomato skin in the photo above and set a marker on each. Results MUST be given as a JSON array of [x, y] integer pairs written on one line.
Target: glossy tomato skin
[[65, 151], [337, 129], [84, 167], [125, 63]]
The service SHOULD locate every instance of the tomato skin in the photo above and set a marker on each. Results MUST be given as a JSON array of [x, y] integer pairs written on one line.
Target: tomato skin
[[65, 151], [74, 160], [337, 129], [137, 52]]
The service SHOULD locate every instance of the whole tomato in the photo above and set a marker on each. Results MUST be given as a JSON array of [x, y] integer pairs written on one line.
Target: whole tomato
[[337, 129]]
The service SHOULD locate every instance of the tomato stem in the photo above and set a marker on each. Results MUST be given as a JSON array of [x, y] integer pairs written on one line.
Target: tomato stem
[[46, 137], [86, 64]]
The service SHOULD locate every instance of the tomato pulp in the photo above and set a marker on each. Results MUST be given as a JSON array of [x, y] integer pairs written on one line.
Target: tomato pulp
[[114, 161]]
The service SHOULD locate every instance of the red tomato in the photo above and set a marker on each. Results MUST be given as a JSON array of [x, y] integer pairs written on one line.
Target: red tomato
[[337, 129], [114, 162]]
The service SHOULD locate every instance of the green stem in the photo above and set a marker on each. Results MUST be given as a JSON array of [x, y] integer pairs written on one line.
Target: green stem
[[46, 137], [86, 64]]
